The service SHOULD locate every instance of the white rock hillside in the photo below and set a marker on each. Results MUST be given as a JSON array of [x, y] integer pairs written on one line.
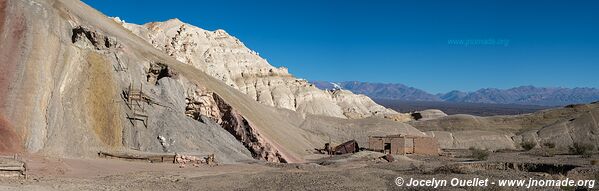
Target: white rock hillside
[[228, 59]]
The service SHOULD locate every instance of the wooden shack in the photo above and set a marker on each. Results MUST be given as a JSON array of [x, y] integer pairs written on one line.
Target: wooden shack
[[347, 147], [404, 144]]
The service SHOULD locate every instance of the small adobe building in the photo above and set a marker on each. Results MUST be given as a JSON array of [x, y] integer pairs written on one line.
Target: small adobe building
[[404, 144]]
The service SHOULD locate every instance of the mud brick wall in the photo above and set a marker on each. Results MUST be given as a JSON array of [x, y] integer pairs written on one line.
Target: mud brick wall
[[398, 146], [426, 145], [376, 144]]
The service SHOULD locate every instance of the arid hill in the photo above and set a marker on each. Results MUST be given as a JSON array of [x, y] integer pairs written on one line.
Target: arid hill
[[561, 127], [76, 82]]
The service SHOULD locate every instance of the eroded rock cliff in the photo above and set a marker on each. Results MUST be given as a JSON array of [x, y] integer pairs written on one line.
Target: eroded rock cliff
[[228, 59], [76, 83]]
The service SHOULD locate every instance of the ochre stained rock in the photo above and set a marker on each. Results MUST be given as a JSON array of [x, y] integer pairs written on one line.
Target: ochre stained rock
[[102, 109]]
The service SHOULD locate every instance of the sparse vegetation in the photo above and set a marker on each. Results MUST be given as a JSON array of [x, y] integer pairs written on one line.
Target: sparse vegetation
[[479, 154], [528, 145], [550, 145], [583, 149], [548, 149], [505, 150], [547, 152]]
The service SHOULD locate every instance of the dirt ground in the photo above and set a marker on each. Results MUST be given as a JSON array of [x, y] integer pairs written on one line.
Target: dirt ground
[[360, 171]]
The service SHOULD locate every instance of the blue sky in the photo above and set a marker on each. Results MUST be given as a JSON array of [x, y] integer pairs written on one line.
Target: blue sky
[[541, 43]]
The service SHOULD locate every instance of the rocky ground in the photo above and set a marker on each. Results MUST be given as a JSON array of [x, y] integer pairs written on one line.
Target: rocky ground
[[360, 171]]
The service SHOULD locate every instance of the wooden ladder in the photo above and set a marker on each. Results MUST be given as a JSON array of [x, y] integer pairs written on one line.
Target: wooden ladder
[[135, 100]]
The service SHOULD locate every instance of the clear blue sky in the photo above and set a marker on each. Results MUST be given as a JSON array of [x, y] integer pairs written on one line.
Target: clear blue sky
[[551, 43]]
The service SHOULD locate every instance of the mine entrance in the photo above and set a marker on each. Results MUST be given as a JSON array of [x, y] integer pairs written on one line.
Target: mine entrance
[[387, 148]]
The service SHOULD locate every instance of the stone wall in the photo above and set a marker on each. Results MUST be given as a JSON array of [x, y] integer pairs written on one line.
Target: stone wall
[[405, 145]]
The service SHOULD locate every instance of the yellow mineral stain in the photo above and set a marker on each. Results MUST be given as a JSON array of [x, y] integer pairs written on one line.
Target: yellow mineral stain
[[102, 109]]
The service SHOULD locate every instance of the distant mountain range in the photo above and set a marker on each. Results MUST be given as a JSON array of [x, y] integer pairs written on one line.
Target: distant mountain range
[[523, 95]]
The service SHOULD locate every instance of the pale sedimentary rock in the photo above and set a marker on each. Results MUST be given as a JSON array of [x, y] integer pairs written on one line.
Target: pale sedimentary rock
[[228, 59]]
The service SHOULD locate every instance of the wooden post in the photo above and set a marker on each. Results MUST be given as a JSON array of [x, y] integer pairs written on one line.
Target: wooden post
[[129, 94], [141, 97]]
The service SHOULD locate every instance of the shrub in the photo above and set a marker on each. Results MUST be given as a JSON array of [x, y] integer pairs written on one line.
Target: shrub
[[550, 145], [594, 162], [528, 145], [479, 154], [548, 149], [583, 149], [548, 153]]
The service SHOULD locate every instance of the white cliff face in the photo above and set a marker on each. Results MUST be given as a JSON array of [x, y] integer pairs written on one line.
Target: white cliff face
[[228, 59]]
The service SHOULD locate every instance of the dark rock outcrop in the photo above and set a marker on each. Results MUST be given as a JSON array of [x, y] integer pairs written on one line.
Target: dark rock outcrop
[[158, 71], [201, 102], [86, 37]]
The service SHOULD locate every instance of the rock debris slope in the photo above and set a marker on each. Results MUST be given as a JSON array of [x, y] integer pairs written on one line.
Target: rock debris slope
[[76, 82], [226, 58]]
